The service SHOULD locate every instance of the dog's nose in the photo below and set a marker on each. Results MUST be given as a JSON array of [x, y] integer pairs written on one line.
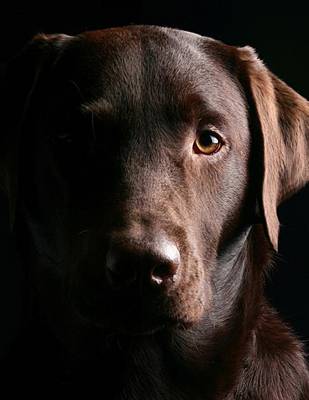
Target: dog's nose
[[154, 264]]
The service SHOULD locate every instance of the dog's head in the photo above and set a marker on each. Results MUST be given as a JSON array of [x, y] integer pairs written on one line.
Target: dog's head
[[145, 156]]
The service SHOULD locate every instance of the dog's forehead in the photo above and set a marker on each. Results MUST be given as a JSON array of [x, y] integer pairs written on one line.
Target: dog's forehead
[[132, 68]]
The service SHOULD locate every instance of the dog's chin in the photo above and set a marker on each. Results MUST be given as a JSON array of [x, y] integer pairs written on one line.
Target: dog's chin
[[141, 329]]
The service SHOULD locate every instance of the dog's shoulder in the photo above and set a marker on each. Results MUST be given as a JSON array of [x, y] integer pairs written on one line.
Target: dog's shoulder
[[275, 368]]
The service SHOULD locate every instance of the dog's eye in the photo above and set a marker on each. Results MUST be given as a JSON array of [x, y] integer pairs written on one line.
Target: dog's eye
[[208, 142]]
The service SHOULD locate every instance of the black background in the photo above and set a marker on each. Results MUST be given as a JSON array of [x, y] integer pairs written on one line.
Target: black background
[[279, 33]]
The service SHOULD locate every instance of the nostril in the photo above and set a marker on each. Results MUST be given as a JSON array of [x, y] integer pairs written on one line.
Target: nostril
[[163, 272]]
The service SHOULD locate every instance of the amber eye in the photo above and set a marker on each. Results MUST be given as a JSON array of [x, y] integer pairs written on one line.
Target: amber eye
[[208, 142]]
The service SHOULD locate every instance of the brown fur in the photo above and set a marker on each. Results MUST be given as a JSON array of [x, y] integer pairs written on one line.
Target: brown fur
[[102, 156]]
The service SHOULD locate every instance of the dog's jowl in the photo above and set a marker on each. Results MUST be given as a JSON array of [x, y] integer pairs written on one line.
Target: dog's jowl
[[144, 168]]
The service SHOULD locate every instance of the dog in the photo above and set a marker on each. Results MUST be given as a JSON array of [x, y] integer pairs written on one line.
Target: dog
[[144, 167]]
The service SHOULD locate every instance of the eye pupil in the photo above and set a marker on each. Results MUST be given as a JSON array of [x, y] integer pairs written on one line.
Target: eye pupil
[[207, 139], [208, 142]]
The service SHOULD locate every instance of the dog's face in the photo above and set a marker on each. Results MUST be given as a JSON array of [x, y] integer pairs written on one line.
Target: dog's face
[[137, 180]]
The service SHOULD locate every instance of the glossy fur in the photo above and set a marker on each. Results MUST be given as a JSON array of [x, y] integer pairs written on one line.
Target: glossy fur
[[102, 157]]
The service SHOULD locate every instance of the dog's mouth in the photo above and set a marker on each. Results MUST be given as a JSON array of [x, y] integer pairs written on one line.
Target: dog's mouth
[[138, 309], [142, 328], [133, 318]]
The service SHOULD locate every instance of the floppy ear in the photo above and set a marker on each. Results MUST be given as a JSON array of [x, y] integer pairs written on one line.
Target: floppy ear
[[282, 116], [21, 80]]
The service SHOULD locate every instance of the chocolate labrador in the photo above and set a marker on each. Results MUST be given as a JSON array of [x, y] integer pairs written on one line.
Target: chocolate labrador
[[144, 167]]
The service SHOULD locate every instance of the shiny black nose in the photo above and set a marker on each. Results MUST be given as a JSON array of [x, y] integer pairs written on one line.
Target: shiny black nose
[[155, 263]]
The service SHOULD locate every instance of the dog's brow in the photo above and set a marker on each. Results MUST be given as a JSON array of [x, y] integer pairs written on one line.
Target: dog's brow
[[196, 107]]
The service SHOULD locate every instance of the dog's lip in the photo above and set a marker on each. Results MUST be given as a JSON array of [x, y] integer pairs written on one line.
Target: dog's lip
[[135, 327], [141, 328], [134, 322]]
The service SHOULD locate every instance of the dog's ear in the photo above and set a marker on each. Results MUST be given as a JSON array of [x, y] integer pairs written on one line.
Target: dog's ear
[[22, 76], [281, 117]]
